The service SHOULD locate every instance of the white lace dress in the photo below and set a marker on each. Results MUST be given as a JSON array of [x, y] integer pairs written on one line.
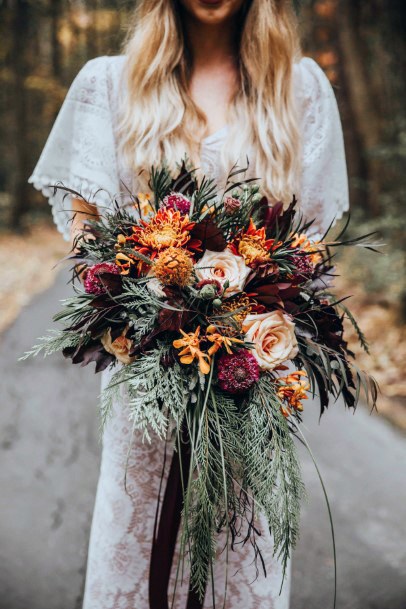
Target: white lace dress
[[81, 152]]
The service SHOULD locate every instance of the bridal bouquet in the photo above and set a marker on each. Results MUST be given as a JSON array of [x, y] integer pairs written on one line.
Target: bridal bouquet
[[215, 310]]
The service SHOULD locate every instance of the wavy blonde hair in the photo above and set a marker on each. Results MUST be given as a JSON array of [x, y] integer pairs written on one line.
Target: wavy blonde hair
[[160, 122]]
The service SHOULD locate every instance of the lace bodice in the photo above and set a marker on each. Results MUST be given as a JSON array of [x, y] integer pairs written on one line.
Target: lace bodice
[[81, 150]]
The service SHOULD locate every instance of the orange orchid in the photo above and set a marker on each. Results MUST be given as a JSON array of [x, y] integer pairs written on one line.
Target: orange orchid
[[144, 199], [190, 350], [313, 248], [125, 262], [219, 340], [253, 245], [293, 390]]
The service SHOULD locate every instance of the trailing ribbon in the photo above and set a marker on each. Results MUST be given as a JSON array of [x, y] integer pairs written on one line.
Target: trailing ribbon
[[165, 534]]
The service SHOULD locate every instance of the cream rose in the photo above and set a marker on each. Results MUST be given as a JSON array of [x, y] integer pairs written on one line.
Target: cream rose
[[223, 266], [120, 347], [273, 335]]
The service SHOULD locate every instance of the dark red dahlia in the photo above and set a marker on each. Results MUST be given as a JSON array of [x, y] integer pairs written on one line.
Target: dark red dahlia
[[177, 201], [303, 269], [93, 282], [238, 371]]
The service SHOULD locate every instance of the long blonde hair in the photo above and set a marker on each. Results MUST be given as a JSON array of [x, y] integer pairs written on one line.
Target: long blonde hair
[[160, 122]]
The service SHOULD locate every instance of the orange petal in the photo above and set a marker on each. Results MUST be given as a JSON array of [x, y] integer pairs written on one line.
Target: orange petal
[[204, 366]]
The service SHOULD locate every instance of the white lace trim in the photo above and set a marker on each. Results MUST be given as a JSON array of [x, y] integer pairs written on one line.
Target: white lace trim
[[80, 151]]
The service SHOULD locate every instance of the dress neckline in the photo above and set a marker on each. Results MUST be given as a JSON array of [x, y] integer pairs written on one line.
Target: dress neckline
[[215, 137]]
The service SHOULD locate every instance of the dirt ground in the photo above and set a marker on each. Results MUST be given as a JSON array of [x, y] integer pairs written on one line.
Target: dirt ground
[[28, 262], [27, 267]]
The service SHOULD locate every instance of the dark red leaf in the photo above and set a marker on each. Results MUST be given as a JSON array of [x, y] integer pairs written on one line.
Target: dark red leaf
[[91, 352], [210, 235], [185, 182]]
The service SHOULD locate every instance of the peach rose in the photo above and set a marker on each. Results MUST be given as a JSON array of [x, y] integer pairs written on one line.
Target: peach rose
[[223, 266], [120, 347], [273, 336]]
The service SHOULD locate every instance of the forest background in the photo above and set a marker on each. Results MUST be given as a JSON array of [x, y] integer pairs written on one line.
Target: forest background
[[361, 47]]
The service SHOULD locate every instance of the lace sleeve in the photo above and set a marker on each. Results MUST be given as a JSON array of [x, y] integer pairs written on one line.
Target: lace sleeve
[[324, 180], [80, 150]]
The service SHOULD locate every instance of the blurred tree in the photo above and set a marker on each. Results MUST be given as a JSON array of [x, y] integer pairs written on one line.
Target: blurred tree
[[56, 7], [19, 63]]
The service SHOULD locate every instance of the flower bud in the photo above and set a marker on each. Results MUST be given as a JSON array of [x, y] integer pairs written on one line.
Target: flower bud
[[208, 291]]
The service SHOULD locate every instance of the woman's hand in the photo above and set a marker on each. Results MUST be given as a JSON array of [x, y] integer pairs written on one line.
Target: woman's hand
[[82, 211]]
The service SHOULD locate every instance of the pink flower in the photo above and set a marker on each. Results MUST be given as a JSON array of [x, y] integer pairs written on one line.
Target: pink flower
[[231, 205], [273, 337], [177, 201], [223, 267], [93, 282], [238, 371]]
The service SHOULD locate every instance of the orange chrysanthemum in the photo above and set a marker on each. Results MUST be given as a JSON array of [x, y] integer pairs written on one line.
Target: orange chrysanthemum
[[292, 390], [168, 228], [173, 266], [313, 248], [190, 350], [253, 245]]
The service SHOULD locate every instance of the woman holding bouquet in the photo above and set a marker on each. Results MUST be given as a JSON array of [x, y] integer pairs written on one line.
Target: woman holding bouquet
[[220, 81]]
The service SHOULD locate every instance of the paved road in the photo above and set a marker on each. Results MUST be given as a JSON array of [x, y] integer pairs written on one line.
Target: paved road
[[49, 456]]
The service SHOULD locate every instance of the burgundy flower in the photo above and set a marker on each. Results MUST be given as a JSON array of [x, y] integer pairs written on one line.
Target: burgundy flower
[[93, 282], [303, 269], [238, 371], [177, 201]]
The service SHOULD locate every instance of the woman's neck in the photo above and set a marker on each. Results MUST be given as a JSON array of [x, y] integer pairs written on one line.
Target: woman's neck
[[211, 44]]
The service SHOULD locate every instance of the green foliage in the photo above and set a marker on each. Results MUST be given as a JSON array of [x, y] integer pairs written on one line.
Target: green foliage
[[57, 340], [361, 337], [154, 393], [272, 468]]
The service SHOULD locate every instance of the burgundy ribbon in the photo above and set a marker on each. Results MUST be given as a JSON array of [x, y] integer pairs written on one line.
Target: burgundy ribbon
[[165, 534]]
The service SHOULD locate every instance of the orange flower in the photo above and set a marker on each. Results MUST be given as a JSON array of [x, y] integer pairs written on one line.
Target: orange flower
[[168, 228], [237, 309], [219, 340], [253, 245], [173, 266], [293, 390], [144, 199], [124, 262], [120, 347], [313, 248], [190, 350]]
